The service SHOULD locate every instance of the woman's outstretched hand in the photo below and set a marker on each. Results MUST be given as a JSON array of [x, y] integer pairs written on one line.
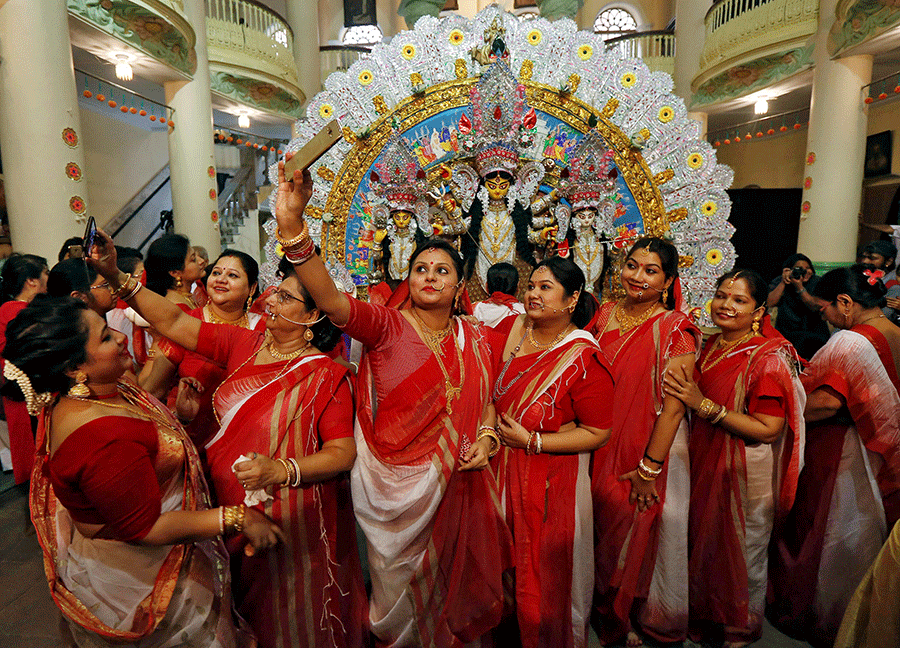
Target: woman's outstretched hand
[[293, 195]]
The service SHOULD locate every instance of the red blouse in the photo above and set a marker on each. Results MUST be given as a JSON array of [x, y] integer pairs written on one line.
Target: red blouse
[[103, 473]]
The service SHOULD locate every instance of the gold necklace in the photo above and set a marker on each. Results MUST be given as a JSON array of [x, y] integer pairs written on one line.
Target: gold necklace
[[543, 347], [880, 315], [628, 322], [725, 348], [433, 341], [153, 417], [186, 299], [278, 355], [210, 316]]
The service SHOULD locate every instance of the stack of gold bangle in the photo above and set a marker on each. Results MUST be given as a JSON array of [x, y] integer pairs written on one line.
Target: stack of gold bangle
[[232, 520], [711, 411], [292, 470], [299, 249], [491, 433], [128, 286]]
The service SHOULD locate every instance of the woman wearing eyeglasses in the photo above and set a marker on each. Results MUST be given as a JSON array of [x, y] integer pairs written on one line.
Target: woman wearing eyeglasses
[[285, 438]]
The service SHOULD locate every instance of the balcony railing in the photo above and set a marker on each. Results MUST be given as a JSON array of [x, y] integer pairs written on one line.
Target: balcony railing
[[177, 5], [738, 30], [252, 36], [339, 57], [656, 48]]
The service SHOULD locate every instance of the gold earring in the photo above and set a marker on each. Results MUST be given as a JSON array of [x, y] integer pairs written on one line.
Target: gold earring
[[755, 327], [308, 334], [665, 296], [456, 301], [80, 388], [178, 282], [249, 302]]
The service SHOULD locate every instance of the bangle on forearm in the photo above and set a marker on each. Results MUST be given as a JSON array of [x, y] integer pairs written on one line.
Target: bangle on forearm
[[491, 433], [233, 519], [297, 480], [297, 240], [645, 473], [706, 408], [539, 443], [719, 415], [528, 443], [287, 472]]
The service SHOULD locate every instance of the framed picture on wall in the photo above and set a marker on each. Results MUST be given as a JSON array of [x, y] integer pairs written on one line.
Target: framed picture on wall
[[878, 154]]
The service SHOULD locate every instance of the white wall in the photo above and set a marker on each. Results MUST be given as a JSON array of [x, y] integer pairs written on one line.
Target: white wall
[[119, 159], [772, 162]]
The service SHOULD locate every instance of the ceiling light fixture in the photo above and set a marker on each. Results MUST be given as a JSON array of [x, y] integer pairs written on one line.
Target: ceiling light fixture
[[761, 107], [244, 120], [123, 67]]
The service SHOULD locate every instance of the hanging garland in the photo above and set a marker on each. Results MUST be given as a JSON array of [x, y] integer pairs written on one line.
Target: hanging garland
[[128, 101]]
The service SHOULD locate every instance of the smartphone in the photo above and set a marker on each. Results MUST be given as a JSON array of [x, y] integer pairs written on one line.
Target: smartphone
[[90, 237], [314, 148]]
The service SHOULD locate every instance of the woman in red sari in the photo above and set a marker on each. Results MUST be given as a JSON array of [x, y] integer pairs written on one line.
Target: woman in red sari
[[438, 546], [131, 549], [553, 396], [640, 516], [851, 477], [231, 287], [285, 440], [24, 276], [746, 446]]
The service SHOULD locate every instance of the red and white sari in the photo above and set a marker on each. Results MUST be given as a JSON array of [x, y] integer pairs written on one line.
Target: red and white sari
[[850, 481], [739, 490], [548, 496], [124, 473], [438, 545], [306, 592], [641, 557]]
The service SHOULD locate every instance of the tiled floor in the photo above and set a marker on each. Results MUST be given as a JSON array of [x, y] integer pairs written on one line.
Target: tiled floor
[[28, 616]]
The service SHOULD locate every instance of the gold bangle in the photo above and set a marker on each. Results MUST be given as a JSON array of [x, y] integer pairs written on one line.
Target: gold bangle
[[723, 411], [120, 280], [233, 518], [491, 433], [287, 472], [304, 233]]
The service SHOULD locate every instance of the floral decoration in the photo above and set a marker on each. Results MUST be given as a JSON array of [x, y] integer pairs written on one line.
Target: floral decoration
[[709, 208], [366, 77], [212, 194], [666, 114], [326, 111], [805, 207], [408, 52], [628, 79], [214, 216], [73, 171], [455, 37], [811, 158], [807, 183], [714, 256], [70, 137], [534, 37], [211, 172], [585, 52], [695, 160], [76, 204]]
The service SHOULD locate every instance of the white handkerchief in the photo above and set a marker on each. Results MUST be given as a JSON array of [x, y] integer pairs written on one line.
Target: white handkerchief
[[252, 497]]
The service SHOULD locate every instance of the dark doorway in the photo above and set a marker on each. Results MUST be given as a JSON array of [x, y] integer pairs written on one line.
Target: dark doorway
[[767, 222]]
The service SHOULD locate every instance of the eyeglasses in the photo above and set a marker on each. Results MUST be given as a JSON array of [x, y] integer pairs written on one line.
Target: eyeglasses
[[105, 284], [284, 297]]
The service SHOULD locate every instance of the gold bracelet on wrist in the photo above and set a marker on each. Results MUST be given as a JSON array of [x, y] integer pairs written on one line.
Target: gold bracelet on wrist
[[491, 433], [233, 518], [287, 472], [304, 233]]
